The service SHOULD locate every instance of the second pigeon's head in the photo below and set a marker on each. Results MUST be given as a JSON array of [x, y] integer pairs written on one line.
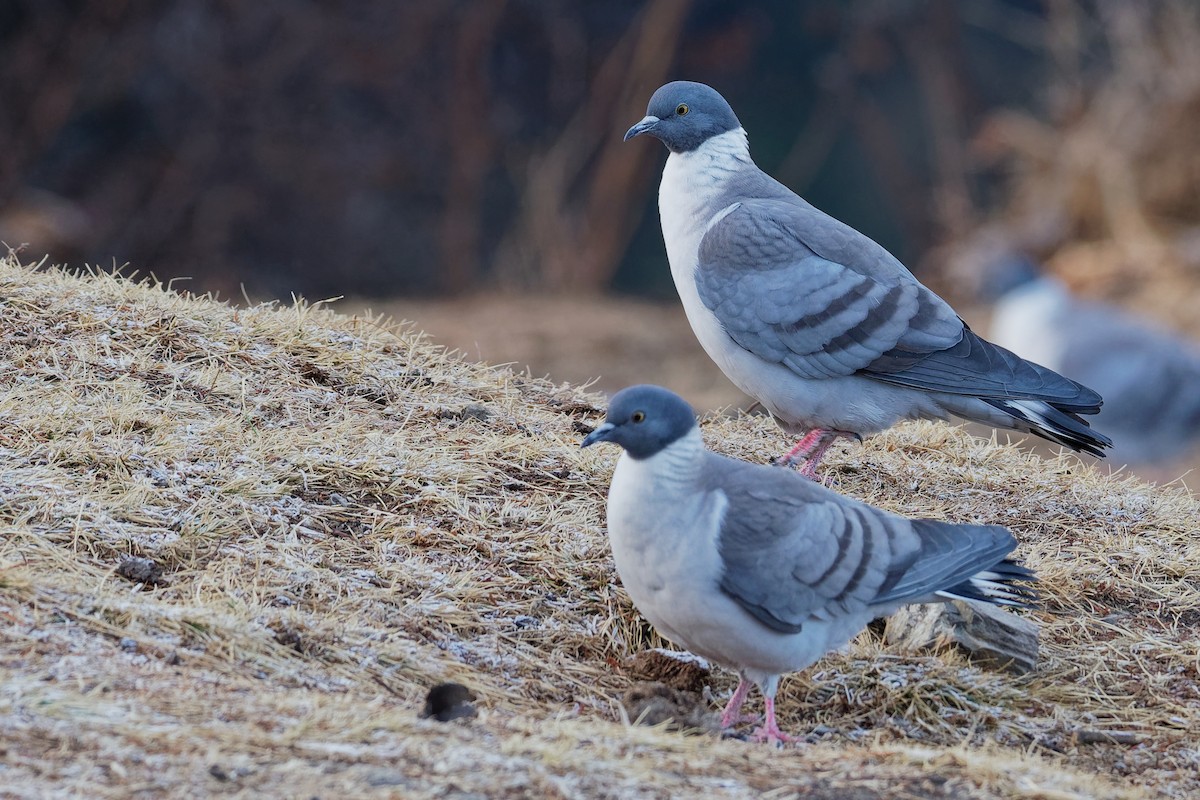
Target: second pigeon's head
[[684, 115], [644, 420]]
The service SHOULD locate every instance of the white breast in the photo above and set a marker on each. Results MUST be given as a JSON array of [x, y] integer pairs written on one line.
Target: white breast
[[664, 534], [687, 206]]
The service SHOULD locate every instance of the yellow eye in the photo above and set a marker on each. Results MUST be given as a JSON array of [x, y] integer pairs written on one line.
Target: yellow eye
[[637, 416], [681, 109]]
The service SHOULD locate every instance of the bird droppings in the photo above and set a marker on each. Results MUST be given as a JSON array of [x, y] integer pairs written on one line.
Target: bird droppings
[[449, 701], [140, 570], [385, 537]]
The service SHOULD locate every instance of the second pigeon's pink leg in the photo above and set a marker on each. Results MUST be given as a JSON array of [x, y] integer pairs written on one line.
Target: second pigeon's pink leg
[[812, 449], [730, 716], [769, 732]]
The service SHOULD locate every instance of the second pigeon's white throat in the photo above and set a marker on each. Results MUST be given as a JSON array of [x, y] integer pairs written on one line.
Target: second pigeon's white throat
[[667, 472], [690, 183]]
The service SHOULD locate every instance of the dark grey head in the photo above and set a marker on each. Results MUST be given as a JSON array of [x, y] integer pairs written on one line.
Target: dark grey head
[[644, 420], [684, 115]]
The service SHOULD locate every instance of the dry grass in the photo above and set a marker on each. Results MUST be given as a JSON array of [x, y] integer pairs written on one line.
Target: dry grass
[[614, 342], [345, 515]]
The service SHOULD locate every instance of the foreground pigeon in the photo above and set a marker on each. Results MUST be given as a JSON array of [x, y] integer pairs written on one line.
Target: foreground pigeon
[[761, 570], [1150, 377], [813, 319]]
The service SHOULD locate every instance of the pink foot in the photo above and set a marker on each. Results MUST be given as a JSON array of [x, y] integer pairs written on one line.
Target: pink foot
[[776, 736], [769, 731], [809, 470], [741, 719]]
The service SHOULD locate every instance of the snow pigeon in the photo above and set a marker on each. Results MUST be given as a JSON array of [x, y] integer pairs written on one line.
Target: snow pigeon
[[824, 327], [762, 570]]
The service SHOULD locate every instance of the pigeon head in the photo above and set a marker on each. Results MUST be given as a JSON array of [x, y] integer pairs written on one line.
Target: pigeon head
[[684, 115], [644, 420]]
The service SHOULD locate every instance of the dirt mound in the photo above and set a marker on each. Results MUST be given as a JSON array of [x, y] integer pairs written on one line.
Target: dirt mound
[[237, 547]]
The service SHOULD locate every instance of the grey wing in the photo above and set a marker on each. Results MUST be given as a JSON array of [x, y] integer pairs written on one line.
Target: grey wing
[[782, 300], [1136, 366], [788, 560], [793, 551], [975, 367], [795, 286], [950, 555], [1150, 381]]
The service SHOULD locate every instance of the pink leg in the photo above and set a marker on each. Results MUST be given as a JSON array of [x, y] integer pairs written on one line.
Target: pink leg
[[731, 717], [769, 732], [812, 449], [809, 470], [810, 441]]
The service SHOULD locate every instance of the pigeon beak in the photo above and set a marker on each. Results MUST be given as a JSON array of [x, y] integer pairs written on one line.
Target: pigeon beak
[[648, 122], [601, 434]]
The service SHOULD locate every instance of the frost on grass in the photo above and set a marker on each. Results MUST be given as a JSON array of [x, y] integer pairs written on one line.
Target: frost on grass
[[336, 515]]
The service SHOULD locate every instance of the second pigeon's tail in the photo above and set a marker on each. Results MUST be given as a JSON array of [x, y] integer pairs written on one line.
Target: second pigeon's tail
[[1008, 583], [1058, 422], [969, 560]]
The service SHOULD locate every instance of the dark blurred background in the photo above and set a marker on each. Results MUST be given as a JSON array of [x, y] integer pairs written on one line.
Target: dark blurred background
[[461, 161], [430, 148]]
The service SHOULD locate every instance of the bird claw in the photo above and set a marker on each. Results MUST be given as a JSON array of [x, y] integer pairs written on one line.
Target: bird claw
[[810, 450], [772, 735], [809, 470]]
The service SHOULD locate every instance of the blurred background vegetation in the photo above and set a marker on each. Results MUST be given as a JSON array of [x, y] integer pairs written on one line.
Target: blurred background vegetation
[[433, 148], [460, 163]]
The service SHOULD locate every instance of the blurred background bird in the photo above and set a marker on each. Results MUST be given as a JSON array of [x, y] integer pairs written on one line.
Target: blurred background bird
[[1148, 376]]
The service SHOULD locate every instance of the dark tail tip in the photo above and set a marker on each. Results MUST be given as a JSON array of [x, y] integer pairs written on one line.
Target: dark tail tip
[[1056, 424], [1008, 583]]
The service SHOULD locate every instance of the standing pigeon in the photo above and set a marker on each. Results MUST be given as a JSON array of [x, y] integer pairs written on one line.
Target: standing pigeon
[[1150, 378], [813, 319], [761, 570]]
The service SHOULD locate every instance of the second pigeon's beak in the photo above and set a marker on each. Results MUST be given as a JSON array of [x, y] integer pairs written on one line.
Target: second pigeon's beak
[[601, 434], [648, 122]]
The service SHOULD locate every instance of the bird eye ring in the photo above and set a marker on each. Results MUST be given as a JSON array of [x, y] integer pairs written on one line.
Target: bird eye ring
[[638, 416], [681, 109]]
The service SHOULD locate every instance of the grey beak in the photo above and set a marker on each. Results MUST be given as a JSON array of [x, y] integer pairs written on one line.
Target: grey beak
[[647, 123], [601, 434]]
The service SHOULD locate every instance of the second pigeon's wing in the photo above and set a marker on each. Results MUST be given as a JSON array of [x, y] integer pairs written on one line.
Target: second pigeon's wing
[[793, 551]]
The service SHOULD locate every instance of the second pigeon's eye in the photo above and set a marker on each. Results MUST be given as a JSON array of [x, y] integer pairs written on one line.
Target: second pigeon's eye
[[681, 109], [638, 416]]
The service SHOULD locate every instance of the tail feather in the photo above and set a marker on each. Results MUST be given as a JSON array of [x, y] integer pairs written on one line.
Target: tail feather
[[1057, 422], [1008, 583], [1040, 400]]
